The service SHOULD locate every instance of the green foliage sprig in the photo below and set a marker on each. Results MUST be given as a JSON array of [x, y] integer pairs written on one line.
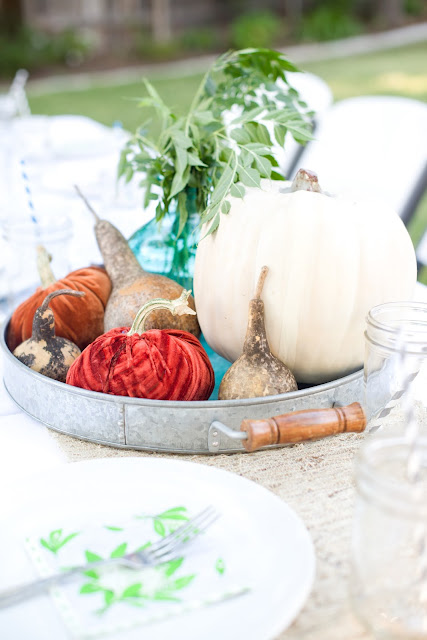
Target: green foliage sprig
[[203, 156]]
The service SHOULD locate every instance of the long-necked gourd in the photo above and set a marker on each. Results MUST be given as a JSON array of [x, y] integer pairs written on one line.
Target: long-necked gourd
[[257, 372], [132, 285]]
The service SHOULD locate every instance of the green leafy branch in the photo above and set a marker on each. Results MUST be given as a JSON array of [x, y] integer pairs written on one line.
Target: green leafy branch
[[197, 161]]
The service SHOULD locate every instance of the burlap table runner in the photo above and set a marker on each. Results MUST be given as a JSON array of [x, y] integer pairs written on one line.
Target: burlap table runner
[[316, 480]]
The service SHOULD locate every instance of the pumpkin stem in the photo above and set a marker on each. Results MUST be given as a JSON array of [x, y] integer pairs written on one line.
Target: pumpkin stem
[[306, 180], [87, 203], [261, 281], [43, 267], [59, 292], [177, 307]]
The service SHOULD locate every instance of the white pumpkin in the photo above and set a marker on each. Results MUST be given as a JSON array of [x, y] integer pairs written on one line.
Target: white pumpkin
[[329, 260]]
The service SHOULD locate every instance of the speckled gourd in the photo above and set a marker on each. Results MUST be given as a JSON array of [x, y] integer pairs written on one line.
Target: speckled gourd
[[45, 352], [257, 372]]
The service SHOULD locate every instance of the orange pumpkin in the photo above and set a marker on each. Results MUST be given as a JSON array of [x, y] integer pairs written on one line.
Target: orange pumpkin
[[81, 323]]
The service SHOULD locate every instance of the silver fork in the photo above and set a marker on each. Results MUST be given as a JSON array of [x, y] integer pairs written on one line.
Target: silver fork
[[162, 551]]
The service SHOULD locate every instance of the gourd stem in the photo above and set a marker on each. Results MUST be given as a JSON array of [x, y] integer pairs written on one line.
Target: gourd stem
[[261, 281], [256, 341], [176, 307], [87, 203], [43, 267], [59, 292]]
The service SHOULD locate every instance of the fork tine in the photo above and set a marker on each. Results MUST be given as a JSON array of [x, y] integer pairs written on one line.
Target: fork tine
[[191, 526], [190, 532], [195, 525]]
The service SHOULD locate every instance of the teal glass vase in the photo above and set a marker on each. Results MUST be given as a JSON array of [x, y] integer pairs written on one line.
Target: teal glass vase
[[159, 249]]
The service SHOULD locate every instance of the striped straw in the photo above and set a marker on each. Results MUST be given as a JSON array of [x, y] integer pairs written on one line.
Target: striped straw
[[27, 188]]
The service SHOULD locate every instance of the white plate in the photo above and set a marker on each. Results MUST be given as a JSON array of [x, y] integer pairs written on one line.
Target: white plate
[[267, 542]]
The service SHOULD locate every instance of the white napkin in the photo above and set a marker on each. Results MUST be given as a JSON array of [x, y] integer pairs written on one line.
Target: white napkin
[[114, 599]]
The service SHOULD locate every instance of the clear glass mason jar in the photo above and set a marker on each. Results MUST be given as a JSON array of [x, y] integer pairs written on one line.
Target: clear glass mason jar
[[388, 584], [395, 365]]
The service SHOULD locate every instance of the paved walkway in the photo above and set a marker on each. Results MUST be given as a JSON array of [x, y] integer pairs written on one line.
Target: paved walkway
[[298, 54]]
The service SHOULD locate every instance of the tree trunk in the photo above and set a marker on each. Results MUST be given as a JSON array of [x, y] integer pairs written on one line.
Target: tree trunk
[[390, 12], [161, 20], [11, 16], [293, 9]]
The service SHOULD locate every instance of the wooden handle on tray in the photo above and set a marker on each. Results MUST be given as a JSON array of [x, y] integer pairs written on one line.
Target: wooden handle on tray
[[300, 426]]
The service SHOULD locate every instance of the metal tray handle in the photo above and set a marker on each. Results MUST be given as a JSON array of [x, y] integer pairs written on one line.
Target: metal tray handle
[[298, 426]]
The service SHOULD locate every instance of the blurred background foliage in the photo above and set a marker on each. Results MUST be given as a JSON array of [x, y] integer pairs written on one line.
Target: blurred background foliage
[[53, 36], [47, 34]]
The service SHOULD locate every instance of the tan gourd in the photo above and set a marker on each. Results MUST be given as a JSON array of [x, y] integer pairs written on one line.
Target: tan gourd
[[45, 352], [257, 372], [330, 261], [132, 286]]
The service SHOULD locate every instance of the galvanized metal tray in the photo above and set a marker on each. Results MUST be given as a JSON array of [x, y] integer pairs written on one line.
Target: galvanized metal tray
[[156, 425]]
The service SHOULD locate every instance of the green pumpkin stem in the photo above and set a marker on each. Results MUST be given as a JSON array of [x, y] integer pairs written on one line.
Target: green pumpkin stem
[[177, 307], [43, 267]]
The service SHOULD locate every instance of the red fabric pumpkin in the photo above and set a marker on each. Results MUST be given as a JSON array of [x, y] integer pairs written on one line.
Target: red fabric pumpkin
[[160, 364]]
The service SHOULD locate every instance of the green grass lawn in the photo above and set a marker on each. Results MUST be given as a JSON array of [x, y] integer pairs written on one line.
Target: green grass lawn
[[401, 72]]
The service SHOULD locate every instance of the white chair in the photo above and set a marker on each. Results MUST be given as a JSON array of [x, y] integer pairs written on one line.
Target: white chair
[[372, 147], [317, 95]]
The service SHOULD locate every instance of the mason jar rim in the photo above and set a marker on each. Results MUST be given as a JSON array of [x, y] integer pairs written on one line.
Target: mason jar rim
[[408, 304]]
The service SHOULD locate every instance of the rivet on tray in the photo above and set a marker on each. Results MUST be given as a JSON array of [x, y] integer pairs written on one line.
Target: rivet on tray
[[214, 433], [215, 443]]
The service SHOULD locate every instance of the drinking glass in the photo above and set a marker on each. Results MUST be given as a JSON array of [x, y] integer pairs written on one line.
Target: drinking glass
[[388, 584], [395, 367], [20, 237]]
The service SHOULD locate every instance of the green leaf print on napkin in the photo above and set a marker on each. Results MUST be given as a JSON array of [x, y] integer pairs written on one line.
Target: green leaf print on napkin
[[167, 521], [155, 583], [55, 540], [105, 587], [220, 566]]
